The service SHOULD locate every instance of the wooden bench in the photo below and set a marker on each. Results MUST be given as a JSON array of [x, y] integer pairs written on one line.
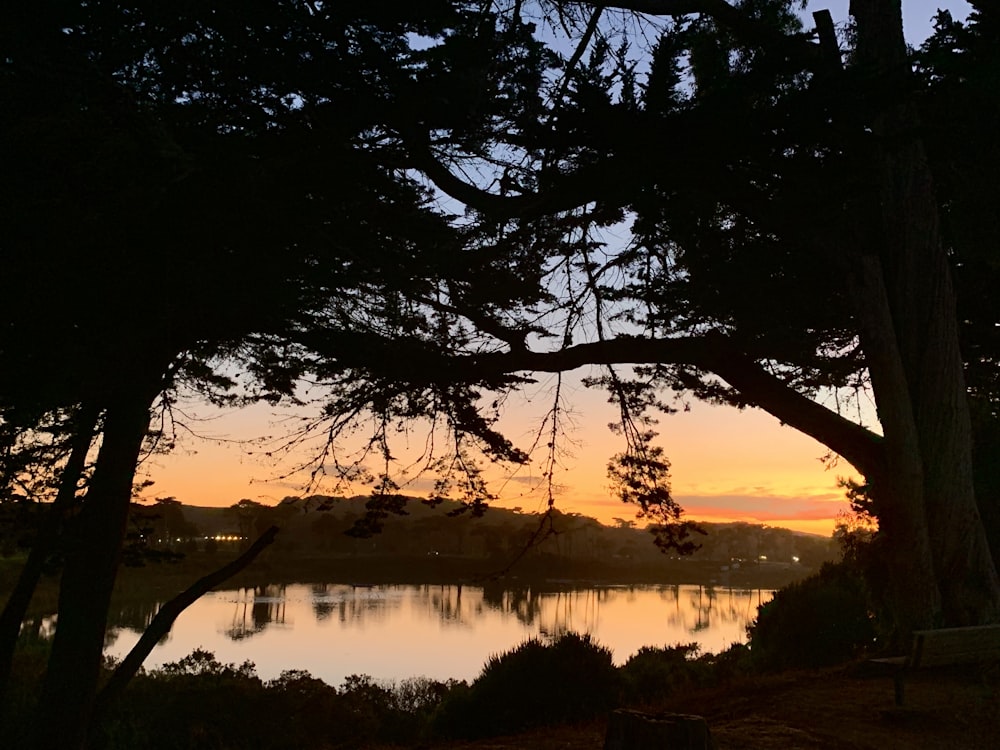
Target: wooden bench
[[944, 648]]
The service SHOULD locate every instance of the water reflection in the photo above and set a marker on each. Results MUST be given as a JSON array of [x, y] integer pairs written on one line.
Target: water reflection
[[256, 609], [440, 631]]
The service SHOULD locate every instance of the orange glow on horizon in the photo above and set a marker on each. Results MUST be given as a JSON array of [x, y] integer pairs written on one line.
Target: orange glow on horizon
[[726, 465]]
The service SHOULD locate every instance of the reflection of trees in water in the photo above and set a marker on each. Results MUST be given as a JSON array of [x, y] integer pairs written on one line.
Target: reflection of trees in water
[[322, 604], [41, 628], [703, 608], [361, 604], [708, 606], [556, 612], [256, 609], [522, 602], [443, 603], [135, 615], [355, 604], [739, 605], [358, 604], [551, 613], [578, 610], [571, 611], [671, 594]]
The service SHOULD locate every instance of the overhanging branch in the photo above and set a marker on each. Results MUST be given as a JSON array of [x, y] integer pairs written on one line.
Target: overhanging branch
[[744, 27], [716, 354]]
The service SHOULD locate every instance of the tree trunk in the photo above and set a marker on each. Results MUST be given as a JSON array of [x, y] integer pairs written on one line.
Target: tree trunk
[[914, 357], [14, 611], [898, 488], [635, 730], [89, 574]]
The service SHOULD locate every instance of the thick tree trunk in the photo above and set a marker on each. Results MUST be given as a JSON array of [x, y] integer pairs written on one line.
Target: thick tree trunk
[[914, 358], [898, 487], [14, 611], [89, 575]]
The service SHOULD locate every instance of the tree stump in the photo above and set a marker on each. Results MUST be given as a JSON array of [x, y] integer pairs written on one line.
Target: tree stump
[[635, 730]]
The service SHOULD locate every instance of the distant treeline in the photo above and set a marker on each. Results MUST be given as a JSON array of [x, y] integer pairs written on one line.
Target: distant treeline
[[321, 527]]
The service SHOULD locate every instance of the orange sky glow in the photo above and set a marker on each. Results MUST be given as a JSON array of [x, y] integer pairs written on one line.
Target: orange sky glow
[[727, 465]]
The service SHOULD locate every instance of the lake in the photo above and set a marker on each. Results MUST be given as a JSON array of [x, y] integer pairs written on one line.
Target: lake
[[392, 632]]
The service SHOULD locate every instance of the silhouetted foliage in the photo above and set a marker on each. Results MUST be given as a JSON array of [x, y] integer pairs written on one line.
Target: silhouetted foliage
[[822, 620], [200, 703], [533, 684], [198, 187], [652, 674]]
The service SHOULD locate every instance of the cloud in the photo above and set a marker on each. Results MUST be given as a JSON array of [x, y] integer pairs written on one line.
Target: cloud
[[527, 480], [765, 508]]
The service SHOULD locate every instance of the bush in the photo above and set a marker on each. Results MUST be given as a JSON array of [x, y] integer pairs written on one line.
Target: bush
[[23, 688], [198, 703], [819, 621], [535, 683], [652, 674], [735, 661], [393, 712]]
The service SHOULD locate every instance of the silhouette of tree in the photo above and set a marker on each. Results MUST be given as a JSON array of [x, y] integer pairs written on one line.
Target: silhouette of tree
[[786, 246], [201, 191], [188, 191]]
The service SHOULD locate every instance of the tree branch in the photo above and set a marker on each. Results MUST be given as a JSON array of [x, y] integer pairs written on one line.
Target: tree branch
[[579, 188], [169, 612], [735, 19], [714, 353]]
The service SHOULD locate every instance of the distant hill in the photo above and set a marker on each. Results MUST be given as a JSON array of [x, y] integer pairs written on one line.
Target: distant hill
[[211, 521], [318, 527]]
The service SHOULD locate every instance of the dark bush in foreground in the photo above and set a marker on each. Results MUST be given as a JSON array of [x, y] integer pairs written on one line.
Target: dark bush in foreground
[[819, 621], [198, 703], [652, 674], [533, 684]]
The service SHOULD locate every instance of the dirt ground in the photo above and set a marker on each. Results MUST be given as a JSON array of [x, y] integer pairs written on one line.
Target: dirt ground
[[847, 708]]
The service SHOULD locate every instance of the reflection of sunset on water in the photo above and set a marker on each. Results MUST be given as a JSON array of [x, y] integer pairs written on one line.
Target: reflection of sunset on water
[[438, 631]]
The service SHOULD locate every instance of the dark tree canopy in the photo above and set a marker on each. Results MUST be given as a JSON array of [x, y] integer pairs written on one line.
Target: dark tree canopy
[[419, 208], [188, 193], [787, 242]]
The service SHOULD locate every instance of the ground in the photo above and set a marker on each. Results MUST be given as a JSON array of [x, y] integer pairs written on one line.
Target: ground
[[846, 708]]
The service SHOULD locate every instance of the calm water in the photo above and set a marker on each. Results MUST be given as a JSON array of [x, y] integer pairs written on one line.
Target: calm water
[[395, 632]]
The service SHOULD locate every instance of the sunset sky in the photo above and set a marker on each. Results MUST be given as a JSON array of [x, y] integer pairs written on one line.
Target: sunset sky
[[726, 465]]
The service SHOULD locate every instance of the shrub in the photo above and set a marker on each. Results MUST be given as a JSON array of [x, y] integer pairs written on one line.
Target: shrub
[[535, 683], [818, 621], [652, 674], [735, 661], [218, 704], [201, 663], [23, 688]]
